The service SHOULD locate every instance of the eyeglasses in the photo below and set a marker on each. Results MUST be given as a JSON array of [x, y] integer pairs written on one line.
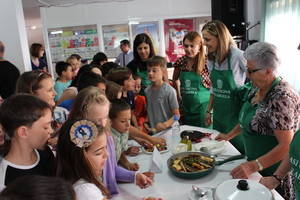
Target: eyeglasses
[[253, 70]]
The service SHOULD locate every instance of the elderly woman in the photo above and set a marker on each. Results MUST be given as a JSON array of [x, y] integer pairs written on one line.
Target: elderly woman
[[269, 117]]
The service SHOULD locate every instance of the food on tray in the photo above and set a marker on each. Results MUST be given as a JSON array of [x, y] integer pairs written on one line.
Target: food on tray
[[158, 146], [192, 163], [195, 136]]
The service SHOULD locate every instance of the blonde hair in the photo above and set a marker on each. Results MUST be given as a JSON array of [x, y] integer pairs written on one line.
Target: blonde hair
[[225, 40], [84, 100], [193, 36]]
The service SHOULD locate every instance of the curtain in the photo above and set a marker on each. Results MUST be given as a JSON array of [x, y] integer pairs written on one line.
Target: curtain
[[282, 28]]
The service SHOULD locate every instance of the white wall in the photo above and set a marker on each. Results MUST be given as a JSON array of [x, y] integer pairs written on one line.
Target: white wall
[[13, 34], [253, 15], [116, 12]]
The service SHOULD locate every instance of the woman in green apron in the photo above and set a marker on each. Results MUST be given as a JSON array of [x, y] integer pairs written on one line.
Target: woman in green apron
[[192, 74], [142, 50], [290, 163], [269, 117], [228, 73]]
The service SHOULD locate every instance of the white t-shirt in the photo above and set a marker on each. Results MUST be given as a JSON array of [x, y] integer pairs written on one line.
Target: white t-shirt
[[87, 191]]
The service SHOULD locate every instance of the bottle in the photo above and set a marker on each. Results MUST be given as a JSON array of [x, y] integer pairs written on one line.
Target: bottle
[[189, 144], [175, 132]]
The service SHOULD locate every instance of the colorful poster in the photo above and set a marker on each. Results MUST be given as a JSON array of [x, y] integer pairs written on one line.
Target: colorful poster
[[175, 29], [150, 28], [82, 40], [112, 36]]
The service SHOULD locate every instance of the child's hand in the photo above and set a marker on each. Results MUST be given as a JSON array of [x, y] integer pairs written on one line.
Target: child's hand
[[132, 166], [143, 181], [161, 126], [133, 151], [149, 175], [156, 140]]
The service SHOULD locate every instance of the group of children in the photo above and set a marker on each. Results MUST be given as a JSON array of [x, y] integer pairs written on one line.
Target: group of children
[[91, 141]]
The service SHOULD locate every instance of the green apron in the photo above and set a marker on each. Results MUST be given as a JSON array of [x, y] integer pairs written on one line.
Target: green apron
[[195, 98], [225, 106], [295, 162], [145, 81], [256, 144]]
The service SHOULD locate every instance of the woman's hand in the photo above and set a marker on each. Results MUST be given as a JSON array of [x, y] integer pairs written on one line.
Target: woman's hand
[[208, 119], [143, 181], [133, 151], [270, 182], [244, 170], [222, 136]]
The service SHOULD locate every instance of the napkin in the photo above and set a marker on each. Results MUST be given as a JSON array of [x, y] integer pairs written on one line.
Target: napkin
[[156, 162]]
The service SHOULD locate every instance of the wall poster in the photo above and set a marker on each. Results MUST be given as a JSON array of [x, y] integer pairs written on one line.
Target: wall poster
[[112, 35], [150, 28], [82, 40]]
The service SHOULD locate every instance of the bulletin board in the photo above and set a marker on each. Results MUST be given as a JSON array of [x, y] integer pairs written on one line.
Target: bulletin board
[[82, 40], [150, 28], [112, 36]]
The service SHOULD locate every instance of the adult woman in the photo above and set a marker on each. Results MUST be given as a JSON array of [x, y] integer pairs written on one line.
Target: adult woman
[[290, 162], [228, 73], [193, 75], [37, 52], [269, 117], [142, 50]]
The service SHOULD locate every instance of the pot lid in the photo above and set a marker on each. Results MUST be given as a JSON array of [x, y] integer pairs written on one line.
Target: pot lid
[[237, 189]]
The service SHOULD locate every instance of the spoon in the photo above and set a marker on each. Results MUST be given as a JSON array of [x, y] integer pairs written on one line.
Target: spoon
[[198, 191]]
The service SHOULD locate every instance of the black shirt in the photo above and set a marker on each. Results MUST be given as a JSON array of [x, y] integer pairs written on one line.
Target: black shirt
[[9, 75]]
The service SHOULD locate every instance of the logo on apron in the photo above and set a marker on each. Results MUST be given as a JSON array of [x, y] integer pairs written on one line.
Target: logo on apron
[[219, 84], [187, 83]]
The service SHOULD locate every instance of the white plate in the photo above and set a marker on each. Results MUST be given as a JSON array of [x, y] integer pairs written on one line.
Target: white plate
[[214, 147], [147, 152]]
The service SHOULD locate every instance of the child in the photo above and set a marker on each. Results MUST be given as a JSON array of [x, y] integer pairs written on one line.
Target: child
[[65, 74], [27, 122], [140, 109], [162, 102], [113, 91], [123, 77], [34, 187], [81, 156], [120, 115], [92, 104], [75, 63]]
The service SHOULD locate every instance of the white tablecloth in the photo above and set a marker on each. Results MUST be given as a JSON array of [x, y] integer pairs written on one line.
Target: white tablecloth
[[169, 187]]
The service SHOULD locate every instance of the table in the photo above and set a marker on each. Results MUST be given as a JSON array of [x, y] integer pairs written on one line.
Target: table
[[169, 187]]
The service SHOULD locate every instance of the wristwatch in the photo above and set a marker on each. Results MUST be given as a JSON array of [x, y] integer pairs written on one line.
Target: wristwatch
[[260, 166], [277, 178]]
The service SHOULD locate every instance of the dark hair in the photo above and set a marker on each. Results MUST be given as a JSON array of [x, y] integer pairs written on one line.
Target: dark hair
[[72, 164], [106, 67], [135, 77], [33, 187], [139, 39], [35, 49], [117, 105], [21, 110], [125, 42], [77, 56], [157, 61], [112, 90], [2, 48], [119, 75], [71, 57], [61, 67], [99, 57], [30, 81], [83, 69], [89, 79]]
